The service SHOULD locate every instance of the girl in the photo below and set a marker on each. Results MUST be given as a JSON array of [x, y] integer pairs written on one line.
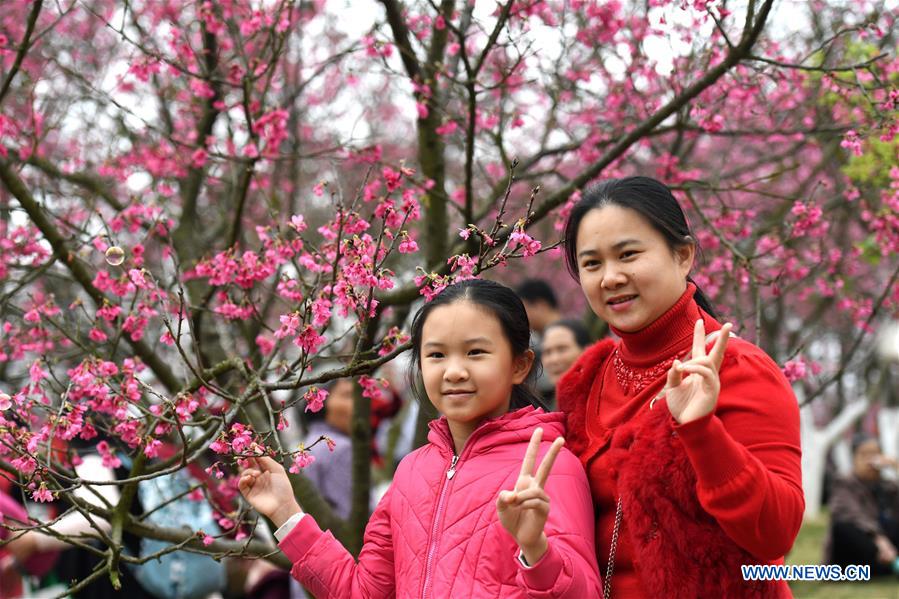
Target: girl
[[693, 458], [446, 527]]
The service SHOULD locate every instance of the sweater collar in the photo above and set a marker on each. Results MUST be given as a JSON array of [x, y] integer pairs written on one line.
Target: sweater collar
[[665, 336]]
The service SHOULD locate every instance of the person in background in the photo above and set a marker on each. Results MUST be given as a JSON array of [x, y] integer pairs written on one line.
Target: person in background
[[332, 470], [540, 303], [20, 559], [76, 563], [563, 343], [331, 473], [542, 308], [864, 512]]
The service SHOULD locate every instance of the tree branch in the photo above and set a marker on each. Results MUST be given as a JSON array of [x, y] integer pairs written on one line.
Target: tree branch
[[88, 181], [23, 49], [739, 53], [17, 188], [401, 38]]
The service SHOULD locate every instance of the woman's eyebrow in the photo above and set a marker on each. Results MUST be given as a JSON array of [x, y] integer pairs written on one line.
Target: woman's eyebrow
[[623, 243], [617, 246]]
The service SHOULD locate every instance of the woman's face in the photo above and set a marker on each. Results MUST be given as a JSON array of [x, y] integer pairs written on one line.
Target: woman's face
[[559, 350], [628, 272], [865, 460], [339, 406]]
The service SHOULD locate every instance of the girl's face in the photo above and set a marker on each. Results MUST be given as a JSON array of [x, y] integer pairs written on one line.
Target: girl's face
[[467, 366], [628, 272]]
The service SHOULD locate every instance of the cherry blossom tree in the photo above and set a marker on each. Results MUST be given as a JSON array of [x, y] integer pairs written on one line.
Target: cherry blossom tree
[[209, 210]]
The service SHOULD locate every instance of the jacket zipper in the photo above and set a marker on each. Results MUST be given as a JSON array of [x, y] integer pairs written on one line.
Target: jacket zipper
[[432, 547]]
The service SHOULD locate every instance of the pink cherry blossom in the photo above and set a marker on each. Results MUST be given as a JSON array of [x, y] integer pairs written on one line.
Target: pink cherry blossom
[[42, 494], [315, 399], [300, 461]]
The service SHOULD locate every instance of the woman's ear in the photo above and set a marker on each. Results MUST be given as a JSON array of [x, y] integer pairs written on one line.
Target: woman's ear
[[522, 366], [684, 255]]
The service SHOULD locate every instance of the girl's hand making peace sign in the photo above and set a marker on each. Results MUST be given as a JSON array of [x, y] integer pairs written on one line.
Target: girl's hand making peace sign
[[693, 396], [523, 511]]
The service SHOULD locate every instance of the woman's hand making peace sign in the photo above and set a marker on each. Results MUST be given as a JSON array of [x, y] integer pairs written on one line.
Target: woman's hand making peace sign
[[693, 396], [523, 511]]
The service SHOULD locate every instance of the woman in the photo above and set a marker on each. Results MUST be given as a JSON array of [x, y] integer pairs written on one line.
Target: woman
[[864, 512], [562, 344], [693, 458]]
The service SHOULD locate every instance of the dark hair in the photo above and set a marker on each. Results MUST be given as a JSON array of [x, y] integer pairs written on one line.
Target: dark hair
[[859, 439], [534, 290], [506, 307], [309, 417], [652, 200], [577, 328]]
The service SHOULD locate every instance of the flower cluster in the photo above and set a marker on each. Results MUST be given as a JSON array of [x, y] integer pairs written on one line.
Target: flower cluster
[[239, 440]]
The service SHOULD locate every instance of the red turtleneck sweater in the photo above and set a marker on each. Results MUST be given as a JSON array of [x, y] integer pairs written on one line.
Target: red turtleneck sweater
[[746, 454]]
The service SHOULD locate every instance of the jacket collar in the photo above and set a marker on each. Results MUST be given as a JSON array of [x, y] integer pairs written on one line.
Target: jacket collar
[[511, 427]]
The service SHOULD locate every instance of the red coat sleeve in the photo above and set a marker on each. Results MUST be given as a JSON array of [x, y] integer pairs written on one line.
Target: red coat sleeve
[[747, 454], [327, 569]]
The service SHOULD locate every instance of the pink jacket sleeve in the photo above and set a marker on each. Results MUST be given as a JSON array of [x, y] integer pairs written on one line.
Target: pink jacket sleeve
[[568, 568], [747, 457], [327, 569]]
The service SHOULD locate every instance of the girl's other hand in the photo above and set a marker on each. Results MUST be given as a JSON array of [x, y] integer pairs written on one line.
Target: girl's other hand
[[693, 386], [265, 486], [524, 510]]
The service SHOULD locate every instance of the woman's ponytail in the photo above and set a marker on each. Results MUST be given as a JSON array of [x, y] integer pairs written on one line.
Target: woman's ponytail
[[702, 301]]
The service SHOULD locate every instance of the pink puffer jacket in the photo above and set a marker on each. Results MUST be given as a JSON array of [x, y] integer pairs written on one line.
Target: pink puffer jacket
[[436, 533]]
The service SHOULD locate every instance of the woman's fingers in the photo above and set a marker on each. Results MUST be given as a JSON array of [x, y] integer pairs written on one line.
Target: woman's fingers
[[530, 456], [699, 369], [548, 460], [528, 499], [717, 353], [698, 339], [703, 361], [674, 375]]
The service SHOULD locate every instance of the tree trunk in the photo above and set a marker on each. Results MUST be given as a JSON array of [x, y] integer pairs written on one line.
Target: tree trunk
[[816, 442]]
